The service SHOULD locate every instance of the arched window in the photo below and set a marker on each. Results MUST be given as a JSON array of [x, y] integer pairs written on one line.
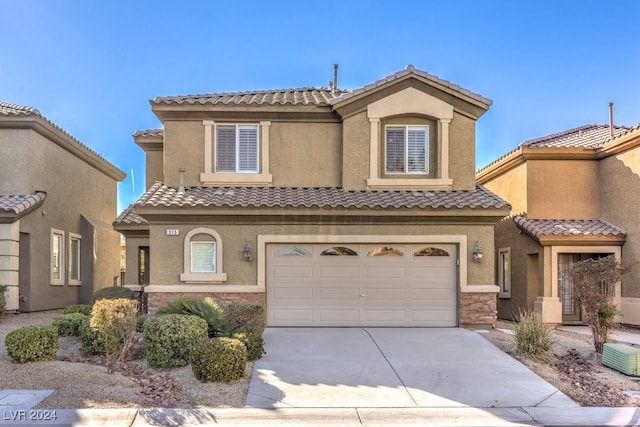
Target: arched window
[[430, 251], [293, 251], [339, 251], [385, 251], [202, 257]]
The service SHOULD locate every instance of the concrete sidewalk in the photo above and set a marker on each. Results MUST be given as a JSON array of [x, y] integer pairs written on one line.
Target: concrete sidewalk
[[371, 417], [627, 337]]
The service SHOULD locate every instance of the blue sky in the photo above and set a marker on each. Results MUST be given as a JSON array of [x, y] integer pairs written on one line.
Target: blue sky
[[92, 66]]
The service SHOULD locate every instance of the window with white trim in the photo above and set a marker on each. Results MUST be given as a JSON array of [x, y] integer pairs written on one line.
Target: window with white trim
[[237, 148], [203, 257], [57, 257], [504, 272], [406, 149], [75, 242]]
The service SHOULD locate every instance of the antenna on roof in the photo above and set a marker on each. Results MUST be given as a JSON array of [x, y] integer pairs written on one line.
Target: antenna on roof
[[334, 84], [611, 119]]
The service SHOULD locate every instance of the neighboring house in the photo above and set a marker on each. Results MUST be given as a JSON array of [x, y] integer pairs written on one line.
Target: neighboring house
[[575, 195], [57, 201], [330, 207]]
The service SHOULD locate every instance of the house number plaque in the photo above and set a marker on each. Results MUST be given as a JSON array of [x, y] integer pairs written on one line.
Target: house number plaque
[[172, 232]]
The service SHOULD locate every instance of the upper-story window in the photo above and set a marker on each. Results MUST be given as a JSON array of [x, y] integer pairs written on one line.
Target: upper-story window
[[237, 148], [407, 149], [236, 154]]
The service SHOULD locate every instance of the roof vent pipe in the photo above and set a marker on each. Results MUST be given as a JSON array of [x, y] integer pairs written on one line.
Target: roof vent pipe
[[611, 119], [181, 187], [334, 85]]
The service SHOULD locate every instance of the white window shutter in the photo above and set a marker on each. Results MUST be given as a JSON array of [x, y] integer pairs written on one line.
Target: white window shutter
[[247, 149], [395, 156], [417, 149]]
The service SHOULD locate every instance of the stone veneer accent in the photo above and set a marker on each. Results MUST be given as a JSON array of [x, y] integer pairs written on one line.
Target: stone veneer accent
[[478, 308], [158, 299]]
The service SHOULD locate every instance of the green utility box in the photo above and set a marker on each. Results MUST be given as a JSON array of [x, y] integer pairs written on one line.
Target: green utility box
[[622, 357]]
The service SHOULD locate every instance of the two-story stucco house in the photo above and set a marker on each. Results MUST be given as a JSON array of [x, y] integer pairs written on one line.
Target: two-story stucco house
[[575, 195], [330, 207], [57, 201]]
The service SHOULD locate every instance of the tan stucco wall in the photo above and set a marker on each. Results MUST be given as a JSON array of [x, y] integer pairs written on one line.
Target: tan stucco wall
[[355, 151], [133, 245], [15, 168], [305, 154], [73, 188], [511, 186], [563, 189], [154, 167], [183, 148], [462, 152], [167, 251], [620, 198]]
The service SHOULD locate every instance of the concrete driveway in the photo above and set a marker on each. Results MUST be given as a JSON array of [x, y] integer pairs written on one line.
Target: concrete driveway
[[392, 368]]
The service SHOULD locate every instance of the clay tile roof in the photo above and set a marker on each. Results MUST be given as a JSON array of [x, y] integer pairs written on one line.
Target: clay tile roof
[[9, 110], [317, 96], [149, 132], [129, 216], [588, 136], [567, 227], [19, 204], [410, 69], [324, 197]]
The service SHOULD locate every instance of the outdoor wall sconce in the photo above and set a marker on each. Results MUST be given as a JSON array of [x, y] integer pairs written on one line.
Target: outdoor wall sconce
[[247, 253], [477, 252]]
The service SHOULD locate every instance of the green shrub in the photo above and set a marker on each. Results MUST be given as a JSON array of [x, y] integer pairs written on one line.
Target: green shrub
[[207, 309], [79, 308], [169, 338], [3, 300], [91, 342], [69, 324], [533, 336], [218, 359], [113, 292], [140, 321], [32, 343], [115, 320], [241, 315], [252, 340]]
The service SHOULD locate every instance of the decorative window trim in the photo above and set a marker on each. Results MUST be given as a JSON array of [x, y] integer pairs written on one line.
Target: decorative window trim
[[72, 281], [504, 273], [338, 251], [406, 130], [408, 102], [188, 276], [210, 177], [55, 233]]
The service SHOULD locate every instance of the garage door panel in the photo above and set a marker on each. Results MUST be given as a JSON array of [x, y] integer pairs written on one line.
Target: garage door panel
[[299, 293], [387, 272], [339, 294], [386, 315], [341, 316], [386, 294], [298, 272], [338, 272], [293, 315]]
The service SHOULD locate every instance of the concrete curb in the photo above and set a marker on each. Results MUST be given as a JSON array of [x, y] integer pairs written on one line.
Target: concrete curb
[[370, 417]]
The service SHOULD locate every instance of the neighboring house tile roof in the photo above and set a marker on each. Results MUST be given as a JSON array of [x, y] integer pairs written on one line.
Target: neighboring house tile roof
[[324, 197], [18, 204], [317, 96], [129, 217], [149, 132], [410, 69], [12, 110], [567, 227], [588, 136]]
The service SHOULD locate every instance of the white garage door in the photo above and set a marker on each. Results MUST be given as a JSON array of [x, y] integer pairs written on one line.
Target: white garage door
[[361, 285]]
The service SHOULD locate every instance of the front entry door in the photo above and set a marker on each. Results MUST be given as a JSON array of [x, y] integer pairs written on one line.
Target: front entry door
[[571, 312]]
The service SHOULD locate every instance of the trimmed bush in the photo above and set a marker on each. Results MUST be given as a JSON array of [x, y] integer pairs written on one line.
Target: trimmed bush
[[69, 324], [218, 359], [241, 315], [32, 343], [113, 292], [79, 308], [91, 342], [533, 336], [3, 300], [140, 321], [168, 339], [115, 320], [252, 340], [207, 309]]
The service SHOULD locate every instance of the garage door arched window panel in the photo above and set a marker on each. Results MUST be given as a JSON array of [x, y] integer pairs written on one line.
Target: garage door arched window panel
[[293, 251], [431, 251], [203, 257], [339, 251], [385, 251]]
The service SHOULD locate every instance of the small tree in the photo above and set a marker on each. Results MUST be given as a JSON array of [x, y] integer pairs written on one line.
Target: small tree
[[594, 282], [115, 320]]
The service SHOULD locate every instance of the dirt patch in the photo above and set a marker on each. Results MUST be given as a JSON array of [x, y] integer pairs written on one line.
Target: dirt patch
[[574, 368], [82, 381]]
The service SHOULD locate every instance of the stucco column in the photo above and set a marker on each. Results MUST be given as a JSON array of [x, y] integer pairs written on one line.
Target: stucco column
[[10, 262], [264, 146], [208, 145], [374, 156], [548, 305], [444, 141]]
